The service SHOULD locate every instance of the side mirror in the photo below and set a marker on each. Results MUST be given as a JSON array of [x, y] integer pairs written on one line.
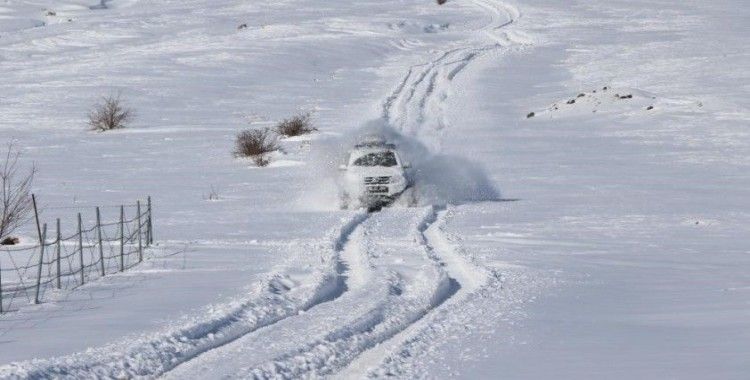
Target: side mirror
[[342, 168], [407, 165]]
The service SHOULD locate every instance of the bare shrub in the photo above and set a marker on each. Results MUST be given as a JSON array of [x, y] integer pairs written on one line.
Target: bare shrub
[[110, 114], [10, 240], [256, 144], [300, 124], [16, 193]]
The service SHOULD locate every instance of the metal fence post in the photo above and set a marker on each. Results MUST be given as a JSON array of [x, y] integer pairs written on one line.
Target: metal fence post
[[43, 237], [150, 225], [36, 216], [1, 289], [122, 238], [80, 246], [99, 238], [57, 253], [140, 241]]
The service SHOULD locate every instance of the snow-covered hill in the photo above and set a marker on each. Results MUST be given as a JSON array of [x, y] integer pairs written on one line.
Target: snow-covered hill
[[606, 235]]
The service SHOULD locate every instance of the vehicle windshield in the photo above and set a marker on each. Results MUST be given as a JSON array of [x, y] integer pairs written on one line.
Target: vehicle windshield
[[385, 158]]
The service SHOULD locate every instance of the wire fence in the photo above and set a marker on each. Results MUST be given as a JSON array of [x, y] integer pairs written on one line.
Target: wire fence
[[67, 261]]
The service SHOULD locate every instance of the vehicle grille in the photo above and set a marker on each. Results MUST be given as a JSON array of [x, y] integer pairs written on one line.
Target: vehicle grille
[[377, 189], [377, 180]]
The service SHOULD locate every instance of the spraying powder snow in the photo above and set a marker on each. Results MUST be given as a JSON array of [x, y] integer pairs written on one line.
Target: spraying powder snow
[[438, 179]]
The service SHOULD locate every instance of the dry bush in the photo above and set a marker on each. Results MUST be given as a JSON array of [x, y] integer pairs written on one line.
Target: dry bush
[[16, 193], [10, 240], [110, 114], [300, 124], [256, 144]]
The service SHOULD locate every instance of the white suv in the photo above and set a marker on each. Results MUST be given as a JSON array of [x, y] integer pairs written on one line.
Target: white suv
[[374, 175]]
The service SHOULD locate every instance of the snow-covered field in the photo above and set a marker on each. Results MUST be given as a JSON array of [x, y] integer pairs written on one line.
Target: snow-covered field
[[606, 236]]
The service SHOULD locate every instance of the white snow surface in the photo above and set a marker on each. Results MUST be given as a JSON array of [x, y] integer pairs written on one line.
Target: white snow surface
[[606, 236]]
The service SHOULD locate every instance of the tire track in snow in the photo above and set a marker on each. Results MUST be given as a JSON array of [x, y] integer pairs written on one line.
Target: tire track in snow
[[396, 357], [415, 289], [274, 300], [416, 105], [393, 281], [365, 292]]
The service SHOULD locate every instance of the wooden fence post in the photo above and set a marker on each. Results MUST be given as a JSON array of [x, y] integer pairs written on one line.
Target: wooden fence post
[[122, 238], [150, 225], [99, 238], [80, 246], [140, 241], [41, 262], [57, 253]]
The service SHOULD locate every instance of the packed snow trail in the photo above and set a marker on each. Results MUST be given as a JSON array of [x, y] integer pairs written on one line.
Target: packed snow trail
[[284, 294]]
